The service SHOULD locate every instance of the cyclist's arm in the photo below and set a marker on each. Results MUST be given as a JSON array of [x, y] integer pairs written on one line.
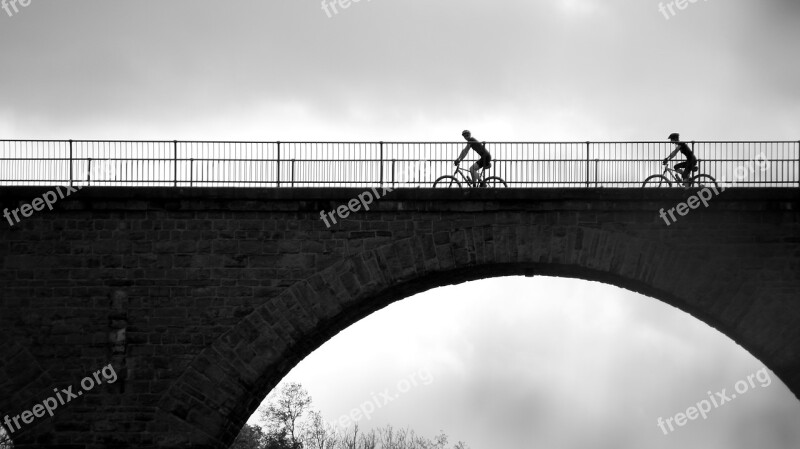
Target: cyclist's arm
[[671, 155], [463, 154]]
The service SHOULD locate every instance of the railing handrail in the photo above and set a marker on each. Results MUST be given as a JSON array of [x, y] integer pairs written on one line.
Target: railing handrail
[[277, 163], [401, 142]]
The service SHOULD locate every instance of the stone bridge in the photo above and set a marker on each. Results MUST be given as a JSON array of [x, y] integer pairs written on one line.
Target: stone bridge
[[200, 300]]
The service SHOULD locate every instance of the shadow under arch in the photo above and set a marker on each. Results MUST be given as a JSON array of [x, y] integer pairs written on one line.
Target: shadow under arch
[[226, 383]]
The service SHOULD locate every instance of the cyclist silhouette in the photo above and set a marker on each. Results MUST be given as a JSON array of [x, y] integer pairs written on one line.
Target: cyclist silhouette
[[689, 165], [480, 148]]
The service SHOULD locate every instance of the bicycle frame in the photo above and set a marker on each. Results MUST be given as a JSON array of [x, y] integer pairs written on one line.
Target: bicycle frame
[[678, 178], [461, 172], [674, 173]]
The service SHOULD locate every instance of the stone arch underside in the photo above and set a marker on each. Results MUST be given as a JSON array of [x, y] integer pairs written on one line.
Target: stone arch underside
[[226, 382]]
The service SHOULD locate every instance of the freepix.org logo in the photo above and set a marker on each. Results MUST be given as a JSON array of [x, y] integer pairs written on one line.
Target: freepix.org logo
[[383, 398], [415, 171], [672, 4], [337, 5], [15, 215], [703, 196], [720, 398], [9, 5], [62, 397]]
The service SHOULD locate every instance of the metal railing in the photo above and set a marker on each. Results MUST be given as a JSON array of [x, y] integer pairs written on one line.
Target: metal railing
[[368, 164]]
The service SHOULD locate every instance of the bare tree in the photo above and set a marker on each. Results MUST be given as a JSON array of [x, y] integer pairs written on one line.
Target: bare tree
[[369, 440], [387, 437], [285, 410], [319, 434], [418, 442], [440, 442], [350, 438], [392, 438]]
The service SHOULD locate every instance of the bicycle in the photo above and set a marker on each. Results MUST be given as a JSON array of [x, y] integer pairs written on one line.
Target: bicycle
[[661, 180], [452, 181]]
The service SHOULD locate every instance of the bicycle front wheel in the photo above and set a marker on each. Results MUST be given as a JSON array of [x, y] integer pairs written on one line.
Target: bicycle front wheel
[[704, 180], [494, 182], [446, 182], [656, 181]]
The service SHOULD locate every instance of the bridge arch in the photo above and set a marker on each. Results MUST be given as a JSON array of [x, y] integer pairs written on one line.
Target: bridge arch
[[251, 358]]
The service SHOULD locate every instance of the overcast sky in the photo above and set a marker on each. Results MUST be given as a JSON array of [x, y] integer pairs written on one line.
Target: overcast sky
[[517, 363], [400, 70]]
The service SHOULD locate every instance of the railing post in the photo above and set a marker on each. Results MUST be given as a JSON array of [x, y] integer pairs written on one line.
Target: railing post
[[175, 161], [587, 166], [292, 173], [381, 162], [393, 164], [70, 162], [191, 172], [798, 163], [89, 171], [278, 168]]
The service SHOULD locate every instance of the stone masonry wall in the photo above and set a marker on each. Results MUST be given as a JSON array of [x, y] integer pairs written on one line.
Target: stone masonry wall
[[202, 299]]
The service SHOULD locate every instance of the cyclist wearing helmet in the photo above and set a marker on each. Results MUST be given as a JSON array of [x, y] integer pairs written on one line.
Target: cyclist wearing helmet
[[480, 148], [687, 166]]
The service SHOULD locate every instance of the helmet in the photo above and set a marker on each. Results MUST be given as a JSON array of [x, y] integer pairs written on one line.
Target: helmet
[[674, 136], [466, 132]]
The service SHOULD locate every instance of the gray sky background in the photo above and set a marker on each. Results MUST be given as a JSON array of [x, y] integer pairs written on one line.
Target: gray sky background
[[517, 363], [400, 70]]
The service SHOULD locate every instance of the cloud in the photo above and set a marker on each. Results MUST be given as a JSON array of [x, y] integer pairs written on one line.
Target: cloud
[[412, 70]]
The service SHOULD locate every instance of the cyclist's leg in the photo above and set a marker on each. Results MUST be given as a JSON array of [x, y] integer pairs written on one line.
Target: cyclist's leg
[[692, 165], [688, 167], [681, 169], [474, 172], [483, 163], [686, 172]]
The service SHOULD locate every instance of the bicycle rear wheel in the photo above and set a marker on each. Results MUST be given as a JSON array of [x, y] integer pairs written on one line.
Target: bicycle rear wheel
[[704, 180], [657, 181], [446, 182], [494, 182]]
